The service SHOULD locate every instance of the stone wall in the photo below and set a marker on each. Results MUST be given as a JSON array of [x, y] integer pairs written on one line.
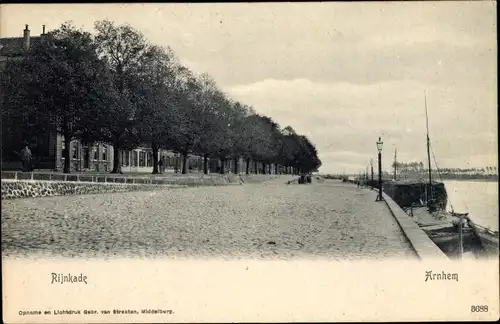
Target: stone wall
[[32, 188], [23, 185]]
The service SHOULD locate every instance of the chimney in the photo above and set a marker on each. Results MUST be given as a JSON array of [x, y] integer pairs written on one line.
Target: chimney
[[42, 36], [26, 39]]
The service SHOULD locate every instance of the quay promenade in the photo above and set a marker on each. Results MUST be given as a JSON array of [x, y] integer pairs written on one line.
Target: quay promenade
[[328, 219]]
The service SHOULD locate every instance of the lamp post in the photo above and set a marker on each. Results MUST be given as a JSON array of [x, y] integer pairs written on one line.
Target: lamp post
[[379, 149]]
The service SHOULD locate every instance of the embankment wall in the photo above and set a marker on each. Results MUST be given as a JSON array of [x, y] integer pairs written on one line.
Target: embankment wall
[[24, 185]]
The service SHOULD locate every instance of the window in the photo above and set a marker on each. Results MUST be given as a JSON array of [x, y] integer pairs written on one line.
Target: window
[[86, 157], [74, 150], [134, 157], [96, 153], [142, 159], [104, 151], [150, 159], [127, 156], [63, 152]]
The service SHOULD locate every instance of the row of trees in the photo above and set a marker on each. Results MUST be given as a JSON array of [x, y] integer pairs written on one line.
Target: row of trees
[[414, 166], [419, 166], [117, 88]]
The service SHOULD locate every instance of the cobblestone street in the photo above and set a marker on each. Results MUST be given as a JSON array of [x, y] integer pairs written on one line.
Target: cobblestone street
[[270, 220]]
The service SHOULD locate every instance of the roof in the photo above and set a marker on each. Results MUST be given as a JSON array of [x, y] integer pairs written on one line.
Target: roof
[[11, 46]]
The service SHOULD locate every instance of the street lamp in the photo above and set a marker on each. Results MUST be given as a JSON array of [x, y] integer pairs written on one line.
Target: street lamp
[[379, 149]]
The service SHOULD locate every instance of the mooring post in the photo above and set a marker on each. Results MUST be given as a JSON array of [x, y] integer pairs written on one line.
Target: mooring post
[[460, 239]]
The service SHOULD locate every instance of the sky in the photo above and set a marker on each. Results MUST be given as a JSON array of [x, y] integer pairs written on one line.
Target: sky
[[342, 73]]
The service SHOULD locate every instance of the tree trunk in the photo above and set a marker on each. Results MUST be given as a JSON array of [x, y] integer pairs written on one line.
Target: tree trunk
[[154, 146], [184, 162], [222, 164], [269, 166], [236, 169], [205, 164], [276, 168], [248, 167], [263, 168], [256, 170], [67, 153], [117, 165]]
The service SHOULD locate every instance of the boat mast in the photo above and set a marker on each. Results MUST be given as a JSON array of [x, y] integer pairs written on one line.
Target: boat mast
[[395, 163], [429, 192]]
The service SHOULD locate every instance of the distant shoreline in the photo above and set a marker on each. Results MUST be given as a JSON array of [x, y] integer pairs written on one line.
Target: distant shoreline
[[434, 179], [473, 180]]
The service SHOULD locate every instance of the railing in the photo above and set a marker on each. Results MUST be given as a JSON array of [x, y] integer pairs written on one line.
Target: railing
[[170, 178], [103, 178]]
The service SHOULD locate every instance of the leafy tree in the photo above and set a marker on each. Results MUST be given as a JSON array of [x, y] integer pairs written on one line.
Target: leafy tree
[[125, 51], [153, 97], [225, 130], [63, 83], [210, 101], [21, 120], [298, 152], [189, 115], [230, 139]]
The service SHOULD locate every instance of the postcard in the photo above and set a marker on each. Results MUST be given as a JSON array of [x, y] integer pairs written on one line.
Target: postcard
[[249, 162]]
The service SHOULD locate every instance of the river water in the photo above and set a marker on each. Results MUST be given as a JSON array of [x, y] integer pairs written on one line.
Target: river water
[[478, 198]]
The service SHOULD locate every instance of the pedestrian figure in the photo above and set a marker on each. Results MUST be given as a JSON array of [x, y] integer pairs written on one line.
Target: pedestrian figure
[[26, 159], [160, 165]]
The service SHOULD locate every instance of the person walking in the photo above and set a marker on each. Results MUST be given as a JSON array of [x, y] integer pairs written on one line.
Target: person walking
[[26, 158]]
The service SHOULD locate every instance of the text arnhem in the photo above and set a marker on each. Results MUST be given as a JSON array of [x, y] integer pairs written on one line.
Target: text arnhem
[[429, 275]]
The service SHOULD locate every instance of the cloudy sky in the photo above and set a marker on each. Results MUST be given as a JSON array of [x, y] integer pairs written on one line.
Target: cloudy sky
[[341, 73]]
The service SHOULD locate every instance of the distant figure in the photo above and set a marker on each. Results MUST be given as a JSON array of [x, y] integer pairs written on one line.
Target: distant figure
[[26, 159], [160, 165]]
